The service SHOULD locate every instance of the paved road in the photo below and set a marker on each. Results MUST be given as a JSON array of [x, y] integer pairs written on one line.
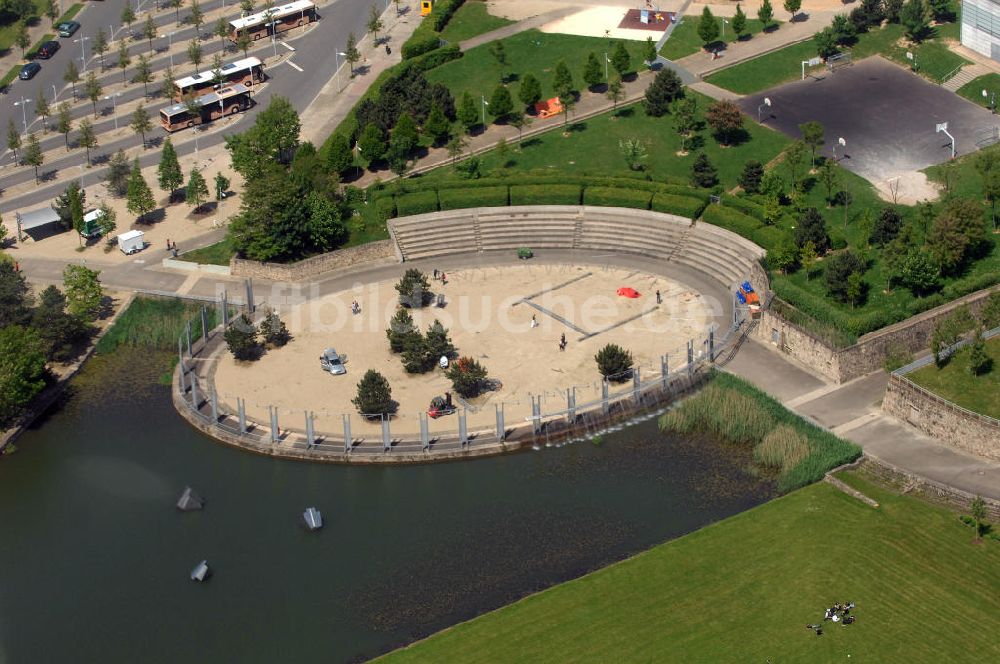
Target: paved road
[[315, 55]]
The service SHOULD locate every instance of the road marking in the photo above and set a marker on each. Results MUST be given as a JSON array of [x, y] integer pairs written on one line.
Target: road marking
[[293, 65], [288, 46]]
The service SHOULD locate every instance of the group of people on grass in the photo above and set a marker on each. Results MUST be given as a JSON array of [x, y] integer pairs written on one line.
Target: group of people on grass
[[837, 613]]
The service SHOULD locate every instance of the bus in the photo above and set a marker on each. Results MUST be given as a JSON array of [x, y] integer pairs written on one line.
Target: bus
[[249, 72], [211, 106], [278, 19]]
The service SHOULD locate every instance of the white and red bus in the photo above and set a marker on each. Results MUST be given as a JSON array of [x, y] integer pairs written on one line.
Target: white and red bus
[[208, 107], [249, 72], [273, 21]]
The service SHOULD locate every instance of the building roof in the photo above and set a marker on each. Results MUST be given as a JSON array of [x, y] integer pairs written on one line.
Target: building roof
[[36, 218]]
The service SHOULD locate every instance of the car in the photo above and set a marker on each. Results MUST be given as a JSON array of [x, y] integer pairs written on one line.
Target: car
[[29, 70], [48, 49], [67, 28], [332, 362]]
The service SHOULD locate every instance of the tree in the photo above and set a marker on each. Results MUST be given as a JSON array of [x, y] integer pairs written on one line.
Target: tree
[[795, 155], [13, 137], [989, 315], [15, 296], [685, 112], [118, 172], [58, 330], [128, 16], [792, 7], [33, 154], [64, 122], [467, 112], [247, 6], [887, 227], [739, 22], [149, 31], [725, 118], [221, 30], [665, 88], [753, 173], [168, 171], [339, 157], [765, 14], [826, 43], [143, 74], [139, 197], [197, 18], [242, 339], [812, 228], [374, 23], [22, 38], [501, 105], [437, 126], [812, 137], [562, 80], [372, 143], [401, 328], [107, 222], [218, 79], [708, 27], [196, 192], [519, 122], [949, 330], [22, 371], [194, 54], [123, 60], [979, 361], [620, 59], [273, 330], [830, 178], [918, 272], [353, 54], [784, 255], [42, 109], [101, 46], [243, 42], [649, 51], [958, 232], [593, 72], [914, 17], [72, 75], [437, 344], [92, 89], [467, 376], [84, 293], [978, 511], [634, 152], [843, 30], [221, 186], [838, 276], [140, 123], [414, 289], [273, 137], [529, 92], [499, 54], [988, 167], [403, 141], [374, 396], [52, 11], [703, 173], [614, 363], [87, 137], [808, 257], [168, 89], [568, 103], [69, 205]]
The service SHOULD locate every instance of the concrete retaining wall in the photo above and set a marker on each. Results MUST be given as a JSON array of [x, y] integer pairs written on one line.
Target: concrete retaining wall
[[311, 268], [930, 490]]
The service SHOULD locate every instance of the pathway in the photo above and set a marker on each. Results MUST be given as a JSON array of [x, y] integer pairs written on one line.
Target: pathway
[[852, 411]]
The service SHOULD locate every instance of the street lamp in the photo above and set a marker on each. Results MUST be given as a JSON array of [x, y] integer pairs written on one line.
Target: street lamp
[[338, 54], [767, 103], [83, 51], [993, 100], [114, 102], [485, 104], [24, 112], [606, 61], [170, 42], [724, 21]]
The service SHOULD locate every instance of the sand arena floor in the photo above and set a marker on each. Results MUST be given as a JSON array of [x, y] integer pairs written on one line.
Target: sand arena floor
[[486, 321]]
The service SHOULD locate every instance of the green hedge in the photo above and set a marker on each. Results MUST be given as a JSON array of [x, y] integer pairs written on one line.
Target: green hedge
[[385, 207], [455, 199], [734, 220], [684, 206], [768, 237], [443, 11], [420, 43], [745, 206], [611, 197], [417, 203], [545, 194]]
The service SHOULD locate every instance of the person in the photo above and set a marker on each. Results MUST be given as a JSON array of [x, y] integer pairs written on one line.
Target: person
[[534, 322], [388, 51], [435, 273], [562, 339], [659, 298], [355, 307], [444, 279], [168, 244]]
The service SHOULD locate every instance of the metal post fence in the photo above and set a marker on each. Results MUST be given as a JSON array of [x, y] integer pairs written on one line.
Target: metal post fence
[[536, 414], [463, 431], [275, 433], [604, 396], [348, 440], [501, 428], [310, 437], [187, 330], [204, 325], [636, 385], [711, 345], [241, 406], [690, 356], [425, 439], [571, 404], [664, 372], [386, 440], [215, 405], [195, 402]]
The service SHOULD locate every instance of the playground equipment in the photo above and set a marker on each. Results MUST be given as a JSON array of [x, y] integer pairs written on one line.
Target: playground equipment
[[441, 406], [425, 7], [548, 108]]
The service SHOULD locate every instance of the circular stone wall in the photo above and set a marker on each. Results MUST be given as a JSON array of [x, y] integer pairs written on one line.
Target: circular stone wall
[[488, 313]]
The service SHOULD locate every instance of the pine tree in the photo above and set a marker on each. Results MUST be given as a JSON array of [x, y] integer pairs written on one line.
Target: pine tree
[[703, 173], [273, 330], [339, 157], [168, 89], [353, 54], [144, 74], [501, 104], [739, 23], [621, 60], [92, 89], [128, 16], [765, 14], [22, 38], [401, 327], [101, 46], [374, 396], [615, 93], [196, 192], [649, 51], [708, 27], [593, 72], [194, 54], [562, 81], [149, 30], [140, 200], [72, 75], [42, 109], [241, 339], [140, 123], [664, 88], [13, 137], [33, 154], [169, 174], [124, 60], [792, 7], [372, 144], [437, 125], [753, 173], [467, 112], [118, 174], [530, 91]]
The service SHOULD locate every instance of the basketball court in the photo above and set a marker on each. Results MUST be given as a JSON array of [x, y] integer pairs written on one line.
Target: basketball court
[[887, 116]]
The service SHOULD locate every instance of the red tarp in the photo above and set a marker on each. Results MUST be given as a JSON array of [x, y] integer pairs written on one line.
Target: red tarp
[[625, 291]]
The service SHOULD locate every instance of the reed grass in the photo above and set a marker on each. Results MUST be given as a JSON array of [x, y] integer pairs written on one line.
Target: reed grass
[[783, 447], [154, 323]]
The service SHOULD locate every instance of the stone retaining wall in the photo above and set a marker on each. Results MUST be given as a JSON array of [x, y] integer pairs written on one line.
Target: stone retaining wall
[[935, 492], [311, 268], [941, 419], [869, 353]]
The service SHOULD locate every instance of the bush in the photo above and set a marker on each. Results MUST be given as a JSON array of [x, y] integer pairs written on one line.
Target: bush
[[538, 194], [614, 363], [730, 219], [414, 289], [839, 272], [682, 206], [436, 58], [897, 356], [416, 203], [400, 329], [456, 199], [745, 206], [769, 237], [374, 397], [385, 207], [990, 313], [273, 331], [241, 338], [443, 11], [419, 44], [467, 376], [611, 197]]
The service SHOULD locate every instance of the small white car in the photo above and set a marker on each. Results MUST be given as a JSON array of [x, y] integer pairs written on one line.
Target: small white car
[[332, 362]]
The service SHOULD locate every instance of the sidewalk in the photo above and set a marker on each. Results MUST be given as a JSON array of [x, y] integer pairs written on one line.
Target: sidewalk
[[852, 412]]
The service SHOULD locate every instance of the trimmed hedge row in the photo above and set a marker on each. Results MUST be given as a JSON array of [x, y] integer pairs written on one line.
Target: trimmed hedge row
[[682, 206], [443, 11], [426, 37], [767, 237], [545, 194], [612, 197], [385, 207], [417, 203], [745, 206], [456, 199], [731, 219]]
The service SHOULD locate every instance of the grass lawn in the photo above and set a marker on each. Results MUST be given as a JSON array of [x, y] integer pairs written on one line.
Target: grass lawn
[[684, 40], [973, 90], [212, 254], [531, 52], [592, 147], [742, 590], [9, 32], [766, 71], [470, 20], [953, 381]]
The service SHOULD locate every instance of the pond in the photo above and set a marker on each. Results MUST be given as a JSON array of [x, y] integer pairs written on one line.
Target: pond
[[95, 558]]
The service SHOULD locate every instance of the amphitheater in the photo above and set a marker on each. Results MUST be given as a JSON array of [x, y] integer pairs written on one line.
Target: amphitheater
[[581, 254]]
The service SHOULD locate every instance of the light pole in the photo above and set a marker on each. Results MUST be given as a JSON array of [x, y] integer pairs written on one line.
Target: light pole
[[83, 51], [338, 54], [767, 103], [114, 103], [485, 104], [724, 21], [170, 42], [606, 79], [24, 112]]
